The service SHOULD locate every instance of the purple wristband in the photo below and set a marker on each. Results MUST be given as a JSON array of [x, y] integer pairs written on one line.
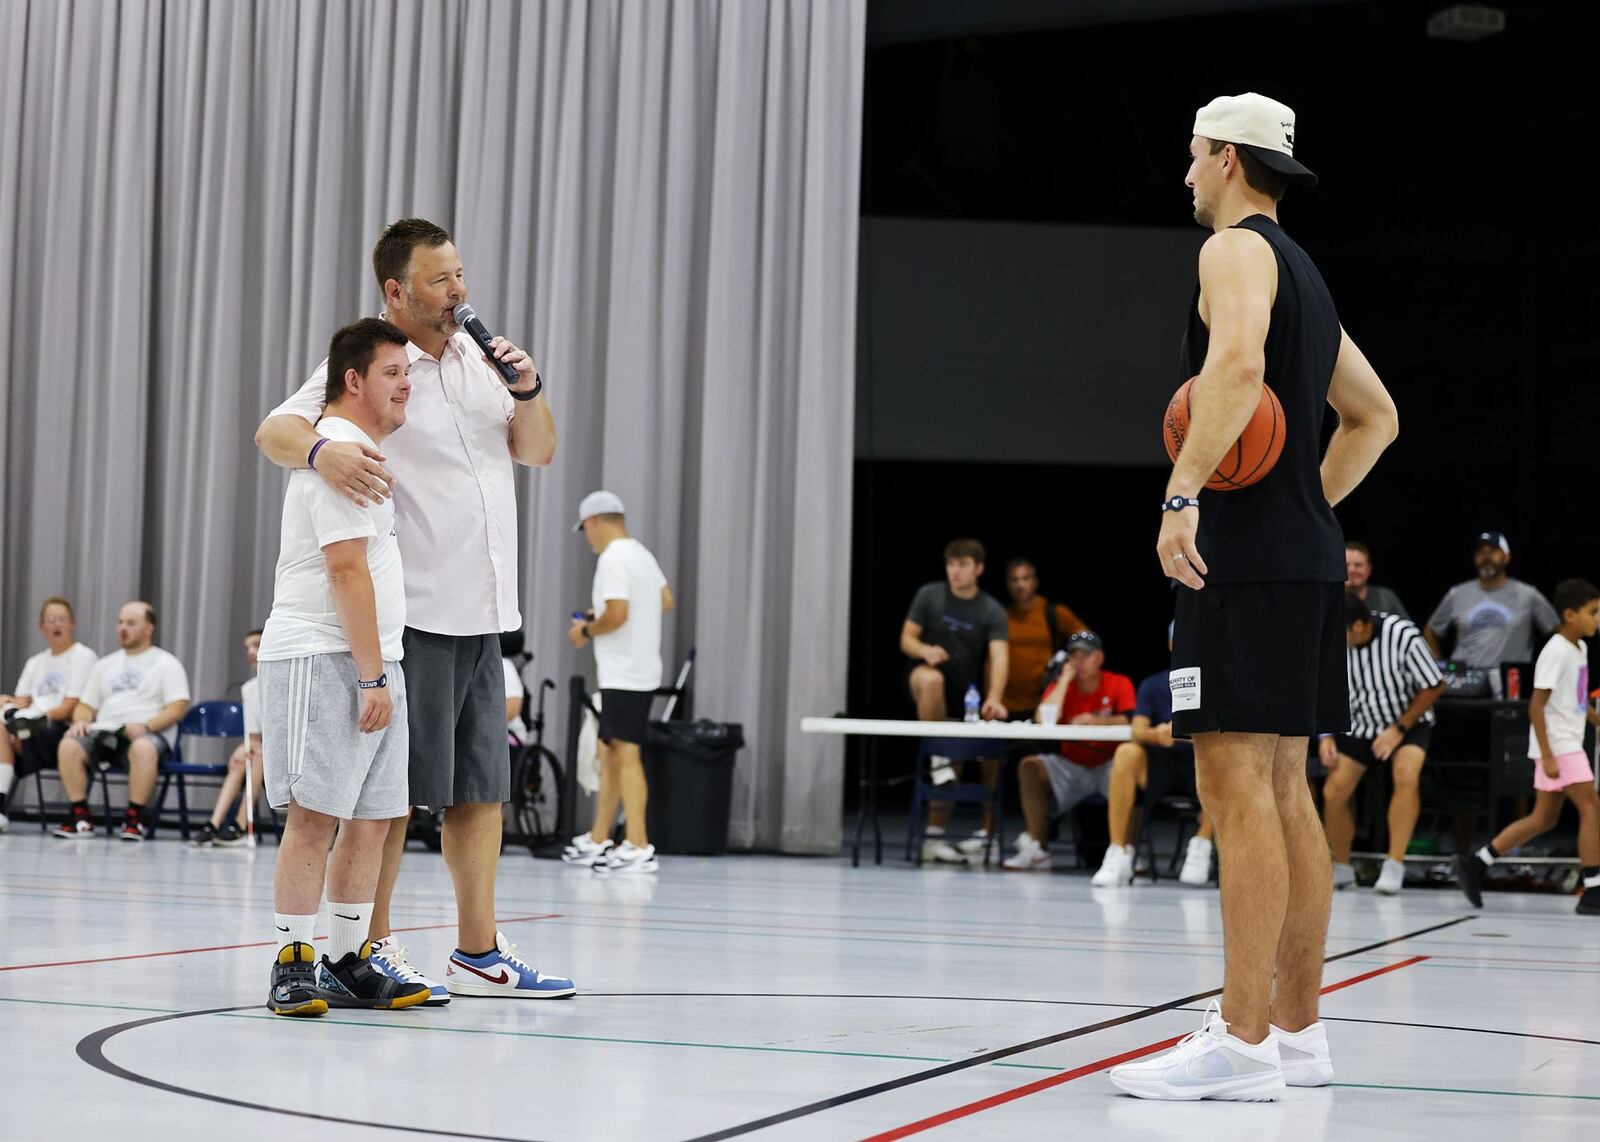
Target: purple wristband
[[311, 460]]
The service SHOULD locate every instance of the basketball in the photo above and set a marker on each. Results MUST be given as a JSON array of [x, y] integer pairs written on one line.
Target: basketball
[[1252, 455]]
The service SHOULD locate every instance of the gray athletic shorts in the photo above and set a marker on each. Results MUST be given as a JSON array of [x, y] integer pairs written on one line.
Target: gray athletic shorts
[[459, 754], [312, 749], [1071, 783]]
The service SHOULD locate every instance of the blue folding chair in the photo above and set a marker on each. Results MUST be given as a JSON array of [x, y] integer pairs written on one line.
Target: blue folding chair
[[924, 791], [215, 719]]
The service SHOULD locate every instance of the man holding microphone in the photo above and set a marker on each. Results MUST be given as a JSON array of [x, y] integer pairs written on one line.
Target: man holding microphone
[[456, 518]]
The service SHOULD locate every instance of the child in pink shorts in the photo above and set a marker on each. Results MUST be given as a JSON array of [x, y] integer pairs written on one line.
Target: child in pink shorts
[[1556, 718]]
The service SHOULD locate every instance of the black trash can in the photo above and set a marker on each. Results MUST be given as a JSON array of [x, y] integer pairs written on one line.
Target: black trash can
[[689, 766]]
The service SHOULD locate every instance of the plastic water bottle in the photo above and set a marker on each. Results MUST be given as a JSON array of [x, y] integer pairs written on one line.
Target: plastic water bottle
[[973, 704]]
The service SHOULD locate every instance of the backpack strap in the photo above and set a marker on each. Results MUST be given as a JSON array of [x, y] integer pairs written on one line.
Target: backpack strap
[[1050, 624]]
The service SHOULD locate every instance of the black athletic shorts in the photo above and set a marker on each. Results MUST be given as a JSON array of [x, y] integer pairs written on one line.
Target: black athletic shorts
[[955, 688], [1359, 750], [625, 715], [1260, 658], [38, 750]]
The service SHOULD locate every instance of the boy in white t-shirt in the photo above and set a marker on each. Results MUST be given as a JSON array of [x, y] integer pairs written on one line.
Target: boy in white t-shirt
[[629, 597], [215, 834], [37, 714], [1556, 718], [128, 715]]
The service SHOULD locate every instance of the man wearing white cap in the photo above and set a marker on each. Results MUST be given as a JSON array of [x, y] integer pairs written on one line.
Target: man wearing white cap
[[629, 596], [1259, 645]]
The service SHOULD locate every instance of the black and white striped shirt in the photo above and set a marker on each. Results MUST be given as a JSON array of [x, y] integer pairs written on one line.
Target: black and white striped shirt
[[1387, 673]]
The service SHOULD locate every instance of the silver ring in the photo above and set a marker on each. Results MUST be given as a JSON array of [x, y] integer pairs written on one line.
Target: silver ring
[[1180, 558]]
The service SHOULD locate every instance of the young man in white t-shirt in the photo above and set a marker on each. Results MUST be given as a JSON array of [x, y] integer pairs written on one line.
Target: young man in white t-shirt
[[630, 594], [38, 713], [128, 715], [334, 734], [215, 834], [1556, 716]]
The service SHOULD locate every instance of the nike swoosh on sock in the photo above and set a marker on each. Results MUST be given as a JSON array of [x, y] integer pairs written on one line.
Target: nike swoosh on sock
[[342, 916]]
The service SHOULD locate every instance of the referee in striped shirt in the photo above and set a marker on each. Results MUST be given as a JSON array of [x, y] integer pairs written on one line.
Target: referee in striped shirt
[[1394, 683]]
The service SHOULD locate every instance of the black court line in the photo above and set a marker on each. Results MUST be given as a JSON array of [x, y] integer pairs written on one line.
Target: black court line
[[1006, 1052], [91, 1049], [1474, 1030]]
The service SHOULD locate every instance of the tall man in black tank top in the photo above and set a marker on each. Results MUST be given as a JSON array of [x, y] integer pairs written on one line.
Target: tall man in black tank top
[[1258, 654]]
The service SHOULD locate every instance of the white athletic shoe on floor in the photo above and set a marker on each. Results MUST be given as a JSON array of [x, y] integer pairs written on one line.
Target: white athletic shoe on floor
[[974, 846], [1392, 878], [937, 850], [630, 858], [1030, 855], [390, 959], [1343, 877], [1116, 870], [583, 851], [5, 822], [1196, 869], [1210, 1063], [1304, 1056]]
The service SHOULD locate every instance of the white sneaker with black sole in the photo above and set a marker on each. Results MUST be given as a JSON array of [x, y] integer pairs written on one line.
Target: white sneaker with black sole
[[584, 851], [1208, 1064], [1304, 1056], [630, 858]]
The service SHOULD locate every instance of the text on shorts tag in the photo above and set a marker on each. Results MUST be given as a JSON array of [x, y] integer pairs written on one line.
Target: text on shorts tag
[[1184, 683]]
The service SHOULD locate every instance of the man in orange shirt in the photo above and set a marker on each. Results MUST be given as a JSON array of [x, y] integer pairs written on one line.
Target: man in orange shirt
[[1038, 628], [1054, 783]]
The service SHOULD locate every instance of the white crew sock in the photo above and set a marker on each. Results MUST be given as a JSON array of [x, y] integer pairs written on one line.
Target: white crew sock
[[292, 929], [7, 774], [1592, 881], [1485, 855], [348, 925]]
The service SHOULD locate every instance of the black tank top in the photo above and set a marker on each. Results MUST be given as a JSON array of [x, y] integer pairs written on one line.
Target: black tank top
[[1280, 529]]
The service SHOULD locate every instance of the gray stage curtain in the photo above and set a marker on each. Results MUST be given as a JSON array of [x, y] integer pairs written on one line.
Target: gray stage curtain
[[657, 197]]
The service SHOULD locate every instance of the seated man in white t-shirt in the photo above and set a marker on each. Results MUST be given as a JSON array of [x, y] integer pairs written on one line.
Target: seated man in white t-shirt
[[128, 715], [630, 594], [215, 834], [47, 693]]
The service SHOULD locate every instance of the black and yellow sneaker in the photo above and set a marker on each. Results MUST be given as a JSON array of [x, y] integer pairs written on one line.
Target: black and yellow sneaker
[[354, 982], [294, 989]]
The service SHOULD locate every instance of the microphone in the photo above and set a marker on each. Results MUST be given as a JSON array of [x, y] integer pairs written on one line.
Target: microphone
[[467, 318]]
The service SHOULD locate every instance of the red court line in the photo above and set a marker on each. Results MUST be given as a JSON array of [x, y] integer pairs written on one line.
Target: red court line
[[1038, 1085], [235, 947]]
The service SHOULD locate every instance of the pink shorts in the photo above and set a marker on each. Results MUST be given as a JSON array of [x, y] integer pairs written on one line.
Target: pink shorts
[[1574, 768]]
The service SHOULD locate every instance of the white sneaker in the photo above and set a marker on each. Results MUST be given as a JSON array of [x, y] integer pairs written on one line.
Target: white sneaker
[[5, 822], [1304, 1056], [629, 858], [1116, 870], [1392, 878], [1197, 863], [502, 972], [1030, 855], [1343, 877], [938, 850], [584, 851], [390, 959], [1210, 1063]]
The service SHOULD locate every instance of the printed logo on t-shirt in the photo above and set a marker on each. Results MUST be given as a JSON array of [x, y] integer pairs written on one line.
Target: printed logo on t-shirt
[[1184, 685], [1489, 615], [54, 682], [1583, 688], [951, 623], [124, 683]]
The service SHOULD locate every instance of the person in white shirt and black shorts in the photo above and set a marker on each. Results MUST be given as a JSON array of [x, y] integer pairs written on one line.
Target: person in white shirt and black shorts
[[629, 597], [36, 716], [1394, 682]]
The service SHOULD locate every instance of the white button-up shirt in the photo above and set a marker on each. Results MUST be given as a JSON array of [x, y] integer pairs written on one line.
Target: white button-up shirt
[[455, 502]]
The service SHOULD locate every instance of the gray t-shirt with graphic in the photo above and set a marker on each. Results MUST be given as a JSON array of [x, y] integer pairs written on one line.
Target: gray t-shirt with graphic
[[1496, 626]]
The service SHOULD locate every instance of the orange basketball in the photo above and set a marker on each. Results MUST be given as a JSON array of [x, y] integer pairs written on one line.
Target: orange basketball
[[1251, 457]]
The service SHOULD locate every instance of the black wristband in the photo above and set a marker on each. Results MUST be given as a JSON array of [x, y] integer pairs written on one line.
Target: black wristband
[[586, 634], [538, 387], [378, 683]]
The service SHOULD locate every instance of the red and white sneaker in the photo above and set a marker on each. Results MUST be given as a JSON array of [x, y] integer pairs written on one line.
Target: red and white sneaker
[[78, 827], [133, 829]]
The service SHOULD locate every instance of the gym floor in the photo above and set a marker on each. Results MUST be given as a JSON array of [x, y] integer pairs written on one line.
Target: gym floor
[[765, 996]]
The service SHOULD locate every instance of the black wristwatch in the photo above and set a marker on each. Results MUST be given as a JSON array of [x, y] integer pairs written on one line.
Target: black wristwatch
[[538, 387], [378, 683], [586, 634], [1178, 503]]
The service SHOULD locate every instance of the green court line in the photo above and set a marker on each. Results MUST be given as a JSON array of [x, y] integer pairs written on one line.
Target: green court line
[[100, 1006], [1462, 1090]]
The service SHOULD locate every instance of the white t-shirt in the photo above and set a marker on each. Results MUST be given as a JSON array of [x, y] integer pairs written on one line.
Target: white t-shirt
[[629, 658], [250, 693], [1562, 669], [50, 679], [514, 726], [125, 689], [304, 619]]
